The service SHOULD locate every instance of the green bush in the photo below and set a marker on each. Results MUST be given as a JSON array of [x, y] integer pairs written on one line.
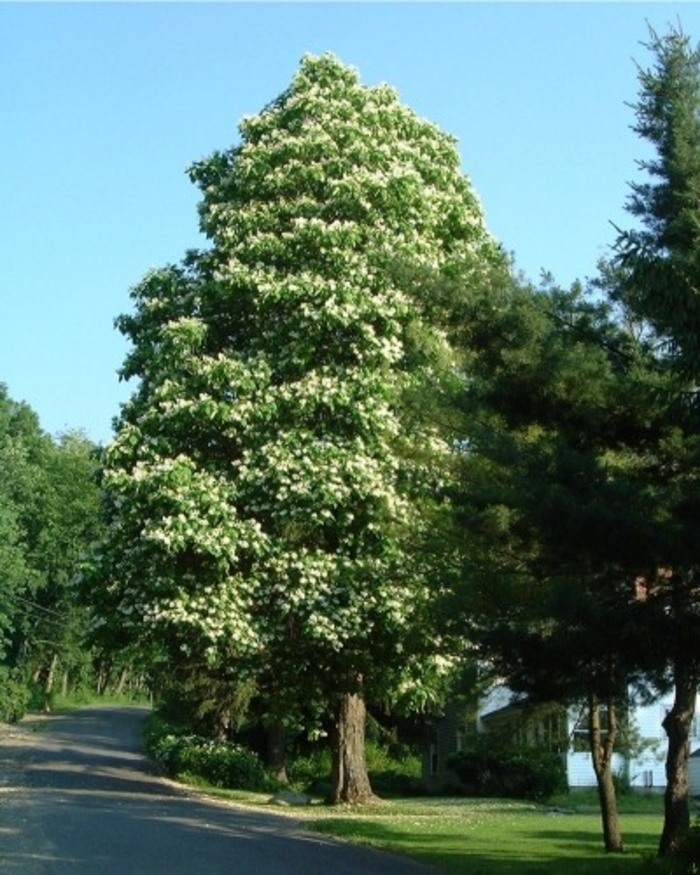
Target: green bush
[[623, 783], [516, 772], [311, 772], [394, 770], [15, 696], [219, 763]]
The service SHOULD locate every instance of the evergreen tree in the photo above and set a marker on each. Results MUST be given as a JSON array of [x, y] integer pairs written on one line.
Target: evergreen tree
[[555, 528], [660, 282]]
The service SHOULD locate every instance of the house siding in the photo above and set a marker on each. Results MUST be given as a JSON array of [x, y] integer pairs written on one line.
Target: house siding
[[580, 772], [694, 774]]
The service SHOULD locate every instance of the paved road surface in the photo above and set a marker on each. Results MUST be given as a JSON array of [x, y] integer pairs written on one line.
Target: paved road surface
[[85, 803]]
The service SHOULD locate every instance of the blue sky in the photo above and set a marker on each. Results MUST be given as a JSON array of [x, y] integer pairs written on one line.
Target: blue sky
[[104, 105]]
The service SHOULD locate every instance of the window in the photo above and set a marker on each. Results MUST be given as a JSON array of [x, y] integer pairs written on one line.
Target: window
[[433, 758], [461, 741]]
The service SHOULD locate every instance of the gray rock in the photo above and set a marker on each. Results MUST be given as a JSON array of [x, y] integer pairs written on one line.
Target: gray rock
[[287, 797]]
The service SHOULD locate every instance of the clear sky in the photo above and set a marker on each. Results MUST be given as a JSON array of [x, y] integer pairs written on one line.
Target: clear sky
[[104, 105]]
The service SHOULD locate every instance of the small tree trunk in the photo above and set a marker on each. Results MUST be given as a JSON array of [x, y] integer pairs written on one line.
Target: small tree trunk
[[602, 748], [277, 752], [101, 679], [677, 726], [121, 683], [48, 685], [222, 722], [349, 779]]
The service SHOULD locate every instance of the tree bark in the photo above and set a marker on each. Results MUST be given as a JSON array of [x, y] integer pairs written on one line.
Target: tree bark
[[677, 726], [101, 680], [48, 684], [277, 752], [121, 683], [350, 782], [602, 749]]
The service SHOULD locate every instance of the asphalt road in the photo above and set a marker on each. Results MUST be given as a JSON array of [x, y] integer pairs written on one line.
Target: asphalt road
[[81, 799]]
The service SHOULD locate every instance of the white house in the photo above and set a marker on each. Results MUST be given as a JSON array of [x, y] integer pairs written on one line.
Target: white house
[[646, 771], [559, 729]]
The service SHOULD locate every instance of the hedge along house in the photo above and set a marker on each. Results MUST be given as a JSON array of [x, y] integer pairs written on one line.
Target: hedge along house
[[554, 727]]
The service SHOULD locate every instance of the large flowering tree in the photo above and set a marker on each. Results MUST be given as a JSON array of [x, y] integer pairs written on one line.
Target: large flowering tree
[[265, 483]]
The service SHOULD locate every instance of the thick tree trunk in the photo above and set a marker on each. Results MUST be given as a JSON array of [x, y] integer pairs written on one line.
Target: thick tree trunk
[[602, 748], [349, 779], [277, 752], [677, 726]]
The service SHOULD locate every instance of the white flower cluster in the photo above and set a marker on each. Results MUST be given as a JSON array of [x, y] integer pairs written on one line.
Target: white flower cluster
[[262, 475]]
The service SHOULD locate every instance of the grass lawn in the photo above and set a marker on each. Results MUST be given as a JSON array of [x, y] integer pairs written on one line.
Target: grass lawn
[[495, 836], [490, 836]]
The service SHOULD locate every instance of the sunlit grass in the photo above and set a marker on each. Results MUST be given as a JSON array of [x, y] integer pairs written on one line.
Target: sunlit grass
[[88, 699], [493, 836]]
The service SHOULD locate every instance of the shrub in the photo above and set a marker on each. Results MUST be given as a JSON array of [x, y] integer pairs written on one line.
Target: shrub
[[512, 771], [394, 771], [219, 763], [311, 772], [623, 783], [15, 696]]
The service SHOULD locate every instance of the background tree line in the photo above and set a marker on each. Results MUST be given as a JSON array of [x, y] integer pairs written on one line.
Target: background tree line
[[49, 519]]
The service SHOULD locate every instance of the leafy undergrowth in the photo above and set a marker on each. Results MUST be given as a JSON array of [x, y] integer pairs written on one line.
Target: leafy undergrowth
[[191, 758]]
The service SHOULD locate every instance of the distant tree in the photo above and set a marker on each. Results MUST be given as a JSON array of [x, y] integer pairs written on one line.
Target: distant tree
[[660, 270], [49, 518], [17, 578], [70, 525], [266, 491]]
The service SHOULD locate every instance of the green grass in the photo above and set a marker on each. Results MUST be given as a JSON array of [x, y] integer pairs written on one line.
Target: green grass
[[494, 836], [87, 699], [486, 836], [586, 802]]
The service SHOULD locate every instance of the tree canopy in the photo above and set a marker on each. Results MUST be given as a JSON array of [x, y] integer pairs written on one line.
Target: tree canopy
[[265, 487]]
